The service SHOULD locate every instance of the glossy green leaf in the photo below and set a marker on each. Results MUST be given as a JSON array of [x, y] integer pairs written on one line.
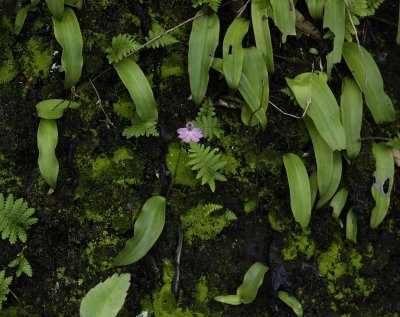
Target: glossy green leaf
[[313, 186], [254, 87], [47, 139], [316, 8], [147, 229], [323, 157], [351, 226], [106, 298], [299, 186], [369, 79], [54, 108], [351, 108], [335, 178], [22, 13], [56, 8], [311, 89], [338, 202], [335, 20], [292, 302], [247, 291], [284, 17], [203, 42], [262, 36], [383, 182], [233, 52], [68, 35], [139, 88]]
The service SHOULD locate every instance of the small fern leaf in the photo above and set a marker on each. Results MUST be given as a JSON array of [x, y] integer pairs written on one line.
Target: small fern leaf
[[22, 265], [207, 121], [4, 286], [157, 37], [213, 4], [122, 45], [141, 128]]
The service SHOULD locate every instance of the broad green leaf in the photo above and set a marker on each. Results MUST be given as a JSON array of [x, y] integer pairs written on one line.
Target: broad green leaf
[[316, 8], [323, 157], [74, 3], [259, 19], [106, 298], [254, 88], [247, 291], [22, 13], [68, 35], [368, 77], [292, 302], [335, 178], [139, 88], [338, 202], [351, 108], [203, 42], [299, 186], [147, 229], [335, 20], [351, 226], [311, 89], [383, 182], [47, 139], [54, 108], [56, 8], [233, 52], [284, 17]]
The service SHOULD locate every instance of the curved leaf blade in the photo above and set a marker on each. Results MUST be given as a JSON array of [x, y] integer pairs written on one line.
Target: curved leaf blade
[[338, 202], [139, 88], [54, 108], [106, 298], [299, 186], [147, 229], [369, 79], [233, 52], [47, 139], [56, 8], [351, 226], [203, 42], [292, 302], [68, 35], [284, 17], [316, 8]]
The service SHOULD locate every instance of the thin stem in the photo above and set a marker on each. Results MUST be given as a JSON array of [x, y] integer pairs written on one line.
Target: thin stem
[[100, 104], [292, 115], [173, 175]]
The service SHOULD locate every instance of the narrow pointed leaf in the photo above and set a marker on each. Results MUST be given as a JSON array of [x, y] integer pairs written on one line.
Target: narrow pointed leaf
[[335, 178], [56, 8], [47, 139], [54, 108], [106, 298], [351, 108], [369, 79], [351, 226], [203, 42], [139, 88], [233, 52], [292, 302], [22, 13], [312, 89], [68, 35], [147, 229], [338, 202], [284, 17], [259, 19], [316, 8], [383, 182], [299, 186]]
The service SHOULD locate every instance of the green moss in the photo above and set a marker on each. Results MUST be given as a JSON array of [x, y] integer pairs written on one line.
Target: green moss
[[278, 221], [298, 243], [177, 160], [8, 70], [38, 59], [100, 4], [20, 311], [124, 109], [329, 263], [100, 253], [172, 66]]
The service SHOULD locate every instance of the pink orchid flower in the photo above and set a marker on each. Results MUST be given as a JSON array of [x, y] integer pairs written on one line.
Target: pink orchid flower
[[190, 133]]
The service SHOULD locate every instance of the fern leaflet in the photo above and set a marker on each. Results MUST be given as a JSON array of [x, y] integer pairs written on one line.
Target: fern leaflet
[[4, 286], [213, 4], [206, 163], [158, 38], [22, 265], [141, 128], [122, 45], [15, 218], [207, 121]]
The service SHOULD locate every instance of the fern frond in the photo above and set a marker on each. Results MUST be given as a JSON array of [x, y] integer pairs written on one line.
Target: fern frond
[[4, 286], [206, 163], [8, 71], [207, 121], [22, 265], [122, 45], [141, 128], [213, 4], [163, 39], [15, 218], [373, 5]]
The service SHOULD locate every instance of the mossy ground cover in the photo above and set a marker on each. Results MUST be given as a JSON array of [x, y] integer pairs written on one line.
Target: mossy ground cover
[[105, 179]]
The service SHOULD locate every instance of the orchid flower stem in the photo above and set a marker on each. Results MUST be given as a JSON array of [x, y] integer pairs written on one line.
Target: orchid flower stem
[[174, 174]]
